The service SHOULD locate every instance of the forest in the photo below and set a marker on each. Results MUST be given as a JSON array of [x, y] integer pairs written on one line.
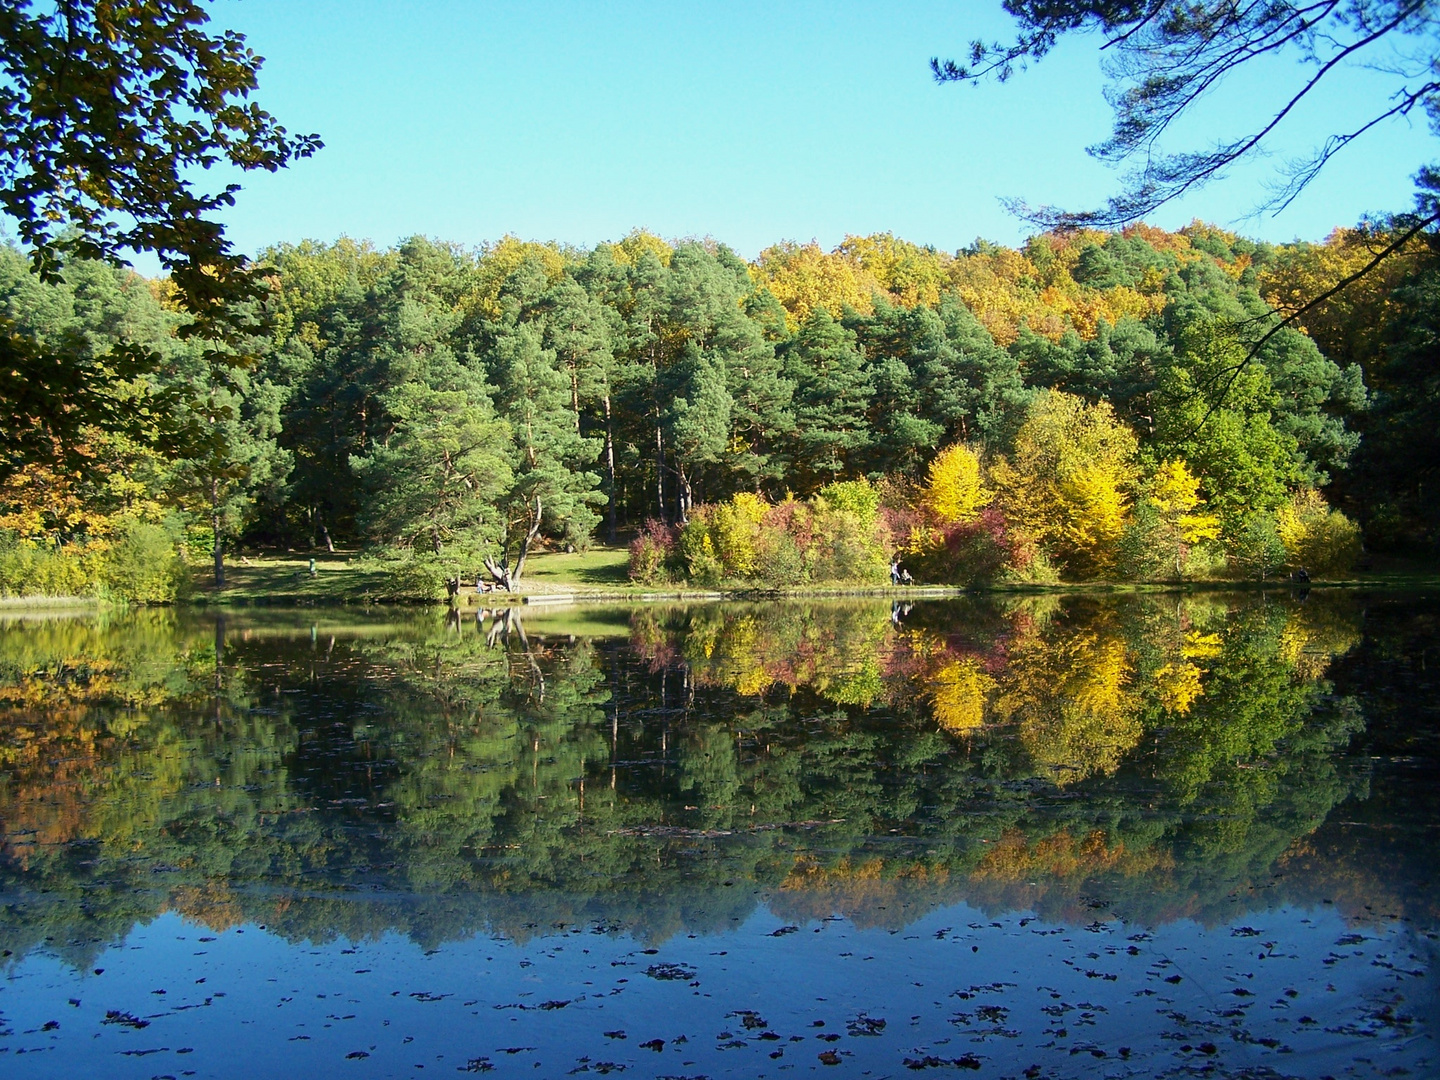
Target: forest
[[1093, 405]]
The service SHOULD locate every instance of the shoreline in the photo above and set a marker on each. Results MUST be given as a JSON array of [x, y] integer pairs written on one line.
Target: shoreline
[[556, 594]]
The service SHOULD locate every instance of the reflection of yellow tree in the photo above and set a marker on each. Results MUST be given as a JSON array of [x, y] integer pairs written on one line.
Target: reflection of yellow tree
[[1313, 636], [1017, 857], [1178, 684], [959, 690], [1070, 693], [837, 651]]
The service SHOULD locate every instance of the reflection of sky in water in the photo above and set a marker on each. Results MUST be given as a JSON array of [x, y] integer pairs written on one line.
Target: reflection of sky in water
[[1288, 992]]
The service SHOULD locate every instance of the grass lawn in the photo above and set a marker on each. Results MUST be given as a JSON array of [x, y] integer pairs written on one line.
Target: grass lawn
[[282, 579], [286, 579], [602, 565]]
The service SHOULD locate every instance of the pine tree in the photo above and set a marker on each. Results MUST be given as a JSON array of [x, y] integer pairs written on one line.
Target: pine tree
[[832, 396]]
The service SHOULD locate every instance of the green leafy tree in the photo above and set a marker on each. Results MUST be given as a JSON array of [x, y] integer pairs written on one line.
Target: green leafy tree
[[1256, 545], [433, 486], [108, 113], [697, 421], [1220, 420], [240, 463]]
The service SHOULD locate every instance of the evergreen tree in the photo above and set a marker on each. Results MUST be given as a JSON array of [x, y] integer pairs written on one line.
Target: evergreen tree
[[550, 488], [832, 399]]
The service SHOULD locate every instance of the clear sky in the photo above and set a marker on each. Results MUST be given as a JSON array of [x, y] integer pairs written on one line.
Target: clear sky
[[749, 122]]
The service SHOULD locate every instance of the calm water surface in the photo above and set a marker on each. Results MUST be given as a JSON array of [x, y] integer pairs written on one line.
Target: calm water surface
[[1152, 836]]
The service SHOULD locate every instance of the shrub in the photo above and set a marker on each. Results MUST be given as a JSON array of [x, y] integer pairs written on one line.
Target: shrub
[[31, 569], [652, 553], [835, 537], [144, 565], [1258, 550], [1317, 539], [847, 549], [977, 551], [857, 497], [779, 561], [735, 533], [407, 575], [1031, 567]]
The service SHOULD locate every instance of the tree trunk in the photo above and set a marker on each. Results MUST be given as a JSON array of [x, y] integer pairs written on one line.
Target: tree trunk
[[499, 572], [219, 549], [525, 544], [684, 493], [610, 470], [660, 467], [507, 577]]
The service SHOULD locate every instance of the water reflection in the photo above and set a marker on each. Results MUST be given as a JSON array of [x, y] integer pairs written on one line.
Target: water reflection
[[1110, 764]]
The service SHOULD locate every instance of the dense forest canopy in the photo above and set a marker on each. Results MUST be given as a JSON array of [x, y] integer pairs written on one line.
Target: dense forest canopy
[[447, 407]]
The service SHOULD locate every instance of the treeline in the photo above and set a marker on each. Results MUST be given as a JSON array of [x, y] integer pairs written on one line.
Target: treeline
[[449, 408]]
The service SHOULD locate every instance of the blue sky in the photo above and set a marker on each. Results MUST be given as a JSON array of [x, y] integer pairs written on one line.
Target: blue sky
[[749, 122]]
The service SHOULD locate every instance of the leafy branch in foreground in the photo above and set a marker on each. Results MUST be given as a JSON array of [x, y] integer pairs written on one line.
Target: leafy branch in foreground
[[106, 110]]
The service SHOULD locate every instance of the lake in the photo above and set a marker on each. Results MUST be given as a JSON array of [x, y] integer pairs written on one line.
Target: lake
[[1034, 836]]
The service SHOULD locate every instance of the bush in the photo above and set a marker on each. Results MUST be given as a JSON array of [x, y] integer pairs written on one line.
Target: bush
[[1258, 550], [1317, 539], [976, 552], [407, 575], [779, 562], [1141, 554], [735, 533], [857, 497], [652, 554], [30, 569], [846, 548], [698, 548], [835, 537], [144, 565], [1031, 567]]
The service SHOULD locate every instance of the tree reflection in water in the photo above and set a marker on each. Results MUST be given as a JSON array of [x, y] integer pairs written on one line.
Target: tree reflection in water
[[1167, 754]]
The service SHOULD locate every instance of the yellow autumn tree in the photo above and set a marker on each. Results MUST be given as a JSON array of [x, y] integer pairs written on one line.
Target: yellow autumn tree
[[1183, 521], [735, 529], [636, 243], [1352, 325], [1069, 480], [500, 259], [803, 278], [909, 273], [1316, 538], [955, 490]]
